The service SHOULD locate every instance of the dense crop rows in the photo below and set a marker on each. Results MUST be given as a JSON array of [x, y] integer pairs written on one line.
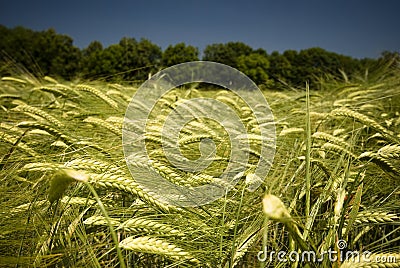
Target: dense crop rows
[[68, 199]]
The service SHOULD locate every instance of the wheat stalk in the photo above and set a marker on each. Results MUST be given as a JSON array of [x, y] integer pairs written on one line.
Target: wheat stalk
[[61, 180], [168, 173], [200, 125], [361, 93], [323, 167], [126, 98], [370, 107], [119, 121], [92, 145], [11, 128], [10, 96], [274, 209], [342, 103]]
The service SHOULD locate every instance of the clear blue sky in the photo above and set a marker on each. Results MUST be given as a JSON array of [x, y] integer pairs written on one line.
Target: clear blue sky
[[358, 28]]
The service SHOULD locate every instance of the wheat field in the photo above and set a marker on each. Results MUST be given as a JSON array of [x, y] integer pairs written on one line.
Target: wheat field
[[69, 200]]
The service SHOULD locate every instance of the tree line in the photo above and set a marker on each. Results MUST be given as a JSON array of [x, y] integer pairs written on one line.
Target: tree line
[[49, 53]]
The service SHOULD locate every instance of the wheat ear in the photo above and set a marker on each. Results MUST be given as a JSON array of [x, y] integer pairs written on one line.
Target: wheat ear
[[360, 118], [107, 125], [329, 138], [375, 217], [52, 90], [101, 220], [48, 129], [390, 151], [337, 148], [380, 161], [13, 140], [147, 224], [13, 79], [94, 165], [30, 110], [156, 246], [125, 184], [99, 94]]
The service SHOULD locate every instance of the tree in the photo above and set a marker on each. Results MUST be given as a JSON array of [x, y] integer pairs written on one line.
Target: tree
[[60, 57], [255, 66], [49, 53], [110, 62], [93, 47], [317, 62], [227, 53], [179, 53], [280, 67], [127, 60], [149, 59], [42, 53], [90, 66]]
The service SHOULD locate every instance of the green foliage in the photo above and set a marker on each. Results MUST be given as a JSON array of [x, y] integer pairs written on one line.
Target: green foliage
[[280, 67], [91, 56], [48, 53], [179, 53], [25, 47], [255, 66], [227, 53], [128, 60]]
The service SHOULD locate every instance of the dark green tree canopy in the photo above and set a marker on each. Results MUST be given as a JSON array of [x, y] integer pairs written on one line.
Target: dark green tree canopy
[[179, 53], [226, 53], [48, 53], [44, 52], [279, 66], [127, 60], [255, 66]]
